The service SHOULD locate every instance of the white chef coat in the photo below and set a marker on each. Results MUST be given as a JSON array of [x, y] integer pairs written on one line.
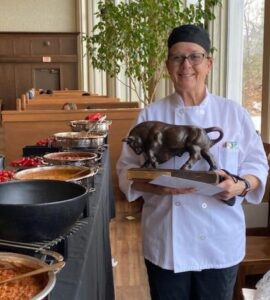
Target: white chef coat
[[194, 232]]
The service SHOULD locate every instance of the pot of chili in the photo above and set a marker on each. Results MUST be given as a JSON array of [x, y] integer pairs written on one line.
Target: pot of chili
[[74, 158], [79, 174]]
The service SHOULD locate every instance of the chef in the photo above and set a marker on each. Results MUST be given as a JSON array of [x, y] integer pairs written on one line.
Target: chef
[[193, 243]]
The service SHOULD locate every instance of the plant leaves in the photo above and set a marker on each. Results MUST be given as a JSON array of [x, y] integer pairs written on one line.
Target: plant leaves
[[133, 37]]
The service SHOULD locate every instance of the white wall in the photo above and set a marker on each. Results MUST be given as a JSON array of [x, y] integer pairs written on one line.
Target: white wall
[[38, 16]]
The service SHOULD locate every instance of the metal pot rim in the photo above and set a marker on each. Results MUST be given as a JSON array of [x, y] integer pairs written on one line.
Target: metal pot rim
[[28, 205], [54, 156], [71, 135], [107, 122], [85, 171], [4, 256]]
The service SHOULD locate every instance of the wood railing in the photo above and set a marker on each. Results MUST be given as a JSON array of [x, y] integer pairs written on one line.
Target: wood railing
[[57, 102], [88, 105]]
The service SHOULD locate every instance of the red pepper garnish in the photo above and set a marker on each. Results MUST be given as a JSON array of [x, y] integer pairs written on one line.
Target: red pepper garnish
[[93, 117], [27, 162], [6, 175], [45, 142]]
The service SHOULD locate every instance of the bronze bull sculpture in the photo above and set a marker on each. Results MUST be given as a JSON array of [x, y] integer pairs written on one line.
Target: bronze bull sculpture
[[159, 142]]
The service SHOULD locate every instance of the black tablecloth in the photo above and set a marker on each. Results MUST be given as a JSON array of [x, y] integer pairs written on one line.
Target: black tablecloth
[[88, 270]]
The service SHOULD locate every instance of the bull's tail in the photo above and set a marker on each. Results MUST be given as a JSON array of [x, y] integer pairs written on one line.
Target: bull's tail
[[213, 129]]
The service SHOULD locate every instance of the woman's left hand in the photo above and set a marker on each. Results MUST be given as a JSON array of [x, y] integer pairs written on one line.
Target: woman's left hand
[[231, 188]]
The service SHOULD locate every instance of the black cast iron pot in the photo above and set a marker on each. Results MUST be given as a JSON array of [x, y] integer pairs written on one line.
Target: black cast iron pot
[[39, 210]]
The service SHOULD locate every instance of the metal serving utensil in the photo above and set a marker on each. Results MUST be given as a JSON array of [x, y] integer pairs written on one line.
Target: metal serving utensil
[[53, 267], [93, 126]]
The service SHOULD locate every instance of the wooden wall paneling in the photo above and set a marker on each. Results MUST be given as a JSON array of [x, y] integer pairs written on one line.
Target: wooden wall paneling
[[68, 45], [6, 47], [23, 80], [45, 45], [30, 48], [7, 84], [21, 46], [69, 76]]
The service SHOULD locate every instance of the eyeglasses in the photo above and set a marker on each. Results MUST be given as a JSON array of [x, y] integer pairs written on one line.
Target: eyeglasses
[[193, 58]]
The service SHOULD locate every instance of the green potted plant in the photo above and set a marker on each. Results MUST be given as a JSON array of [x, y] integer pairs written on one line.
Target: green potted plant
[[132, 36]]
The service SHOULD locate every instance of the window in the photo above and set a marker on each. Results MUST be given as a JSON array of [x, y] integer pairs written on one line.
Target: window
[[253, 24]]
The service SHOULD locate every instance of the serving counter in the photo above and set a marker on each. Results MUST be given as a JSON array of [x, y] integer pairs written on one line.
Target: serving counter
[[88, 270]]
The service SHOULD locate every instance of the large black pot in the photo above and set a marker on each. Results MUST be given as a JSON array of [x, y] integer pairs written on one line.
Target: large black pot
[[39, 210]]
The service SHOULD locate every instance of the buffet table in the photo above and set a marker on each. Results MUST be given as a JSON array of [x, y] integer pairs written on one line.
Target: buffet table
[[22, 128], [88, 270]]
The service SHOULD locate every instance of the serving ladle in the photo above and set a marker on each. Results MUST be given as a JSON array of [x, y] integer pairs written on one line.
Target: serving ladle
[[53, 267], [94, 126]]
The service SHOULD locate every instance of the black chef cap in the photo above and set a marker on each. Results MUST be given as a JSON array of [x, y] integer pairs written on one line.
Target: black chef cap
[[190, 33]]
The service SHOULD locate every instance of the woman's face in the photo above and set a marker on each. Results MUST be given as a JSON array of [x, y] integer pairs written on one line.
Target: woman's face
[[188, 74]]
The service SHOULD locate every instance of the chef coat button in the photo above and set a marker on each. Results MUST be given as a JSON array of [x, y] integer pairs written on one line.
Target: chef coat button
[[202, 237], [204, 205], [177, 203], [201, 111]]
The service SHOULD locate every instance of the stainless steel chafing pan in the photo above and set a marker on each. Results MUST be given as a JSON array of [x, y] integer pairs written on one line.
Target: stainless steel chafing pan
[[73, 140]]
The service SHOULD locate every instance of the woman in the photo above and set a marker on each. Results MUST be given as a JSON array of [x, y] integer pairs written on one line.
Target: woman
[[193, 243]]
